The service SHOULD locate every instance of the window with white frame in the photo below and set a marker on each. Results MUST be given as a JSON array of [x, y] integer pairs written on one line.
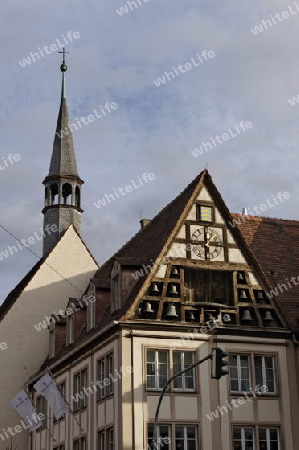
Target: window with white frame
[[186, 437], [102, 440], [109, 363], [105, 372], [101, 377], [268, 438], [110, 439], [182, 360], [239, 366], [260, 438], [80, 444], [252, 371], [243, 438], [80, 384], [156, 369], [163, 437], [265, 372], [162, 364], [106, 439]]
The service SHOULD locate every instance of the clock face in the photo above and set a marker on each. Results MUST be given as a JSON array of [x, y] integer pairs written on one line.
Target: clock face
[[207, 243], [198, 240]]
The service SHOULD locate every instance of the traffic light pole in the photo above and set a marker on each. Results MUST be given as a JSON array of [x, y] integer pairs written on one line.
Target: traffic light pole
[[209, 356]]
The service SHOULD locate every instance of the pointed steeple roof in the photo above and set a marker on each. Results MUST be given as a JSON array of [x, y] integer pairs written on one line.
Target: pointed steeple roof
[[63, 161]]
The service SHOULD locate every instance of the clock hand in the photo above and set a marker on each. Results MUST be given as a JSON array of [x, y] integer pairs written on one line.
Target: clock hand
[[207, 243]]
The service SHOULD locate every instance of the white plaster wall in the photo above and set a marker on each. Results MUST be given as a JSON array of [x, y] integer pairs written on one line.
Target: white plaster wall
[[27, 348], [204, 195]]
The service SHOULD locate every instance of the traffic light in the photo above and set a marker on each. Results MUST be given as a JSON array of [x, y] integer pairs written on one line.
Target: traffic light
[[218, 363]]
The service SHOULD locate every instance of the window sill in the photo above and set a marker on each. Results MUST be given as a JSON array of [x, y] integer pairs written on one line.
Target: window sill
[[84, 408], [256, 394], [59, 420], [107, 397], [184, 391]]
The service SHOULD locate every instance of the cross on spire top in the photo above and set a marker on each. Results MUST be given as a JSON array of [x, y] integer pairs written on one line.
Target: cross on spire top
[[63, 66]]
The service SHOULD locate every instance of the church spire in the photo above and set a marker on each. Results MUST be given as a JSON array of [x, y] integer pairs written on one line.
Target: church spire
[[62, 184], [63, 69]]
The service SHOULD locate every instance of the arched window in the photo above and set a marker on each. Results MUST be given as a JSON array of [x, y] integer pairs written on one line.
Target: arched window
[[46, 197], [67, 193], [54, 193], [77, 197]]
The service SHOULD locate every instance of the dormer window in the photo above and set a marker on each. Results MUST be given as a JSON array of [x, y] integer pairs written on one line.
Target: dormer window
[[91, 315], [116, 292], [115, 287], [52, 342], [70, 330]]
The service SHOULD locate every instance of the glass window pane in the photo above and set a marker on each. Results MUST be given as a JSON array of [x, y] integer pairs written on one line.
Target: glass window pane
[[150, 368], [164, 431], [178, 383], [271, 386], [176, 357], [162, 356], [244, 361], [245, 385], [177, 367], [273, 434], [258, 362], [269, 362], [234, 372], [262, 434], [233, 360], [234, 385], [150, 356], [248, 432], [191, 432], [237, 433], [150, 382], [179, 432], [188, 356], [162, 368]]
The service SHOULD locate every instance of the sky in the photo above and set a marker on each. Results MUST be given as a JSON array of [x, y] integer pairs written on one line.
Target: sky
[[116, 57]]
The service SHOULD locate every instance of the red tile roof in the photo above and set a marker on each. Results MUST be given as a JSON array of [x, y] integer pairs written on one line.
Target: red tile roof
[[275, 245]]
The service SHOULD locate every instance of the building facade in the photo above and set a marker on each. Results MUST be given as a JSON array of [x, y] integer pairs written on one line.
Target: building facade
[[187, 282], [192, 279]]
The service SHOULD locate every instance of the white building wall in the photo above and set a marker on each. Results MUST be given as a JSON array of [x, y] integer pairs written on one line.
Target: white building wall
[[65, 273]]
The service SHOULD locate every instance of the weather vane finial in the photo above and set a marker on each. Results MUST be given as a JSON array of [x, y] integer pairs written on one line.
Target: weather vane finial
[[63, 69], [63, 66]]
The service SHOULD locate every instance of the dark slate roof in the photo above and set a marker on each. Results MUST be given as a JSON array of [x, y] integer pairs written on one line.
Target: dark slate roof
[[275, 245], [147, 244], [63, 161]]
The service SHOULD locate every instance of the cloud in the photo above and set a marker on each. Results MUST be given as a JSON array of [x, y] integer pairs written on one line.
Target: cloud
[[154, 129]]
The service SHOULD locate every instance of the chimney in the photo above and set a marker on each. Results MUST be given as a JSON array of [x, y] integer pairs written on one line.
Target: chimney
[[144, 223], [244, 211]]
